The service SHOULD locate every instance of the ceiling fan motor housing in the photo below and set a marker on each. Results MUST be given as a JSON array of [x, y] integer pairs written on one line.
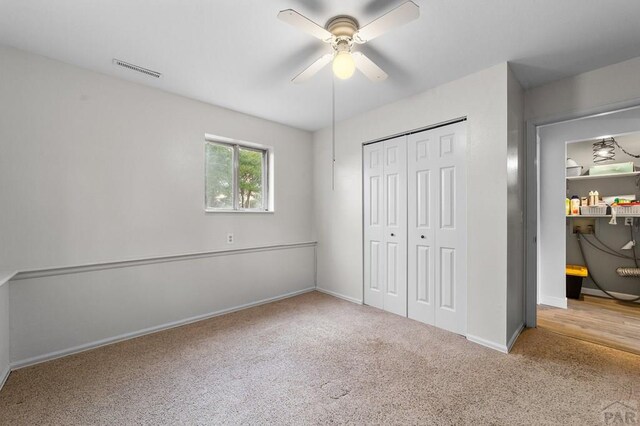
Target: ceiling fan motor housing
[[342, 26]]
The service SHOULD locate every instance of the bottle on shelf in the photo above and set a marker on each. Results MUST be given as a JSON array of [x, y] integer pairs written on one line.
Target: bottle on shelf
[[575, 205]]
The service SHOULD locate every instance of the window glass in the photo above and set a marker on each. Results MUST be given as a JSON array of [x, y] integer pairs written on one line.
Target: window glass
[[250, 175], [237, 177], [219, 176]]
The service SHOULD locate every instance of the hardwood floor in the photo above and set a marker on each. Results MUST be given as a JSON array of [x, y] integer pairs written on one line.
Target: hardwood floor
[[596, 319]]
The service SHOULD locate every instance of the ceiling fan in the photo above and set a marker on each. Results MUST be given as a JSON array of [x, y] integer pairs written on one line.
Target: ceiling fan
[[342, 32]]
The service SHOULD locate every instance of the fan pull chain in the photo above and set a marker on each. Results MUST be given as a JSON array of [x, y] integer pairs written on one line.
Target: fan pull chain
[[333, 133]]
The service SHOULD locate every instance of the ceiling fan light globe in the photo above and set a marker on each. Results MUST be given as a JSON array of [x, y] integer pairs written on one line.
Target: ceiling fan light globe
[[343, 65]]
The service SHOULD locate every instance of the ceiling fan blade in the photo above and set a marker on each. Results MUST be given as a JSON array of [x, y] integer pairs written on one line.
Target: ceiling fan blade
[[401, 15], [368, 67], [313, 69], [305, 24]]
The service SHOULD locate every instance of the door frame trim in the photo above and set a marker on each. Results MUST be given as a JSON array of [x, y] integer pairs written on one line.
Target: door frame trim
[[531, 192], [418, 130]]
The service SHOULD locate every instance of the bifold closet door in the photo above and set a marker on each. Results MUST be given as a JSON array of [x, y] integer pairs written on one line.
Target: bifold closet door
[[437, 278], [385, 217], [373, 175]]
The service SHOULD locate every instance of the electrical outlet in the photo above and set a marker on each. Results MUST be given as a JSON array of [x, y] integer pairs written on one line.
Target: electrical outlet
[[628, 221], [230, 238]]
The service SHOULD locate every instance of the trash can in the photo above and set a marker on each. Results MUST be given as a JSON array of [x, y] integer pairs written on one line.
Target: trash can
[[575, 274]]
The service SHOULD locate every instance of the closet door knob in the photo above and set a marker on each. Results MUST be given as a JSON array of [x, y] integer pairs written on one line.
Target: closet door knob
[[422, 236], [393, 235]]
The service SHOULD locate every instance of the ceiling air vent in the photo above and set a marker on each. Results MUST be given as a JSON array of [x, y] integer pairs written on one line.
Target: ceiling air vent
[[137, 68]]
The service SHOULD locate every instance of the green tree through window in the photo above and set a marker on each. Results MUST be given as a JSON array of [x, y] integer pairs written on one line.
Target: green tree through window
[[228, 166], [219, 181], [250, 178]]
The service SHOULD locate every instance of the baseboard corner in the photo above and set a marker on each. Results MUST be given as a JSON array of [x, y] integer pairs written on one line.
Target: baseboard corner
[[514, 337], [488, 343], [339, 295], [4, 375], [556, 302], [600, 293]]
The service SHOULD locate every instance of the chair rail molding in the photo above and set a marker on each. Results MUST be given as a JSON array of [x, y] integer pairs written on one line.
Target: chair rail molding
[[64, 270]]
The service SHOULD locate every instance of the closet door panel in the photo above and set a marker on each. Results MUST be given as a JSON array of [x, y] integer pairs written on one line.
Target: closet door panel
[[422, 201], [395, 220], [415, 226], [374, 253], [451, 229]]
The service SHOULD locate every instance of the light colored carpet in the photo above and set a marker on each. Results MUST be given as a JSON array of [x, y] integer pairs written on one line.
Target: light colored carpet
[[315, 359]]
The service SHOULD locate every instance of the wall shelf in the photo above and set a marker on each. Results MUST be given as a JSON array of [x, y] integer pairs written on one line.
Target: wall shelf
[[607, 176], [578, 216]]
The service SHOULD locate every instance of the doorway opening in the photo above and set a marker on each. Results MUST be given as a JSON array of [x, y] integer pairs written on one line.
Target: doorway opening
[[587, 268]]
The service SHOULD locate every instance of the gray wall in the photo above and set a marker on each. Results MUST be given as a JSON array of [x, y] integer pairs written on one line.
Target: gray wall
[[515, 207], [95, 169], [482, 98], [57, 315], [597, 91], [580, 95], [603, 266], [4, 332]]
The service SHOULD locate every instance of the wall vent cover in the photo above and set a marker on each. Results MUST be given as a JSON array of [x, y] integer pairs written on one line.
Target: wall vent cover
[[137, 68]]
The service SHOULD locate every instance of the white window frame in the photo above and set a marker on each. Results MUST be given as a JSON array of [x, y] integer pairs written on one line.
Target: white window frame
[[267, 175]]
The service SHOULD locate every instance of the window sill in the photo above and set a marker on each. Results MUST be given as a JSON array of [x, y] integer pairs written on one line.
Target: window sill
[[239, 211]]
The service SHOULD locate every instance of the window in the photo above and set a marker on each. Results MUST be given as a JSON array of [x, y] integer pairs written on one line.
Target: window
[[237, 176]]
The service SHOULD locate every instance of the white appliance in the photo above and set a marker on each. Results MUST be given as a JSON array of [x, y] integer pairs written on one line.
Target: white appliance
[[415, 248]]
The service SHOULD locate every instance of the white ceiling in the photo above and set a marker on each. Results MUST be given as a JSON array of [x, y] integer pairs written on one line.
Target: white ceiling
[[236, 54]]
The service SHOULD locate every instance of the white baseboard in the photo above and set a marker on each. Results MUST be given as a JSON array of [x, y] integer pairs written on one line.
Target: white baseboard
[[127, 336], [600, 293], [488, 343], [514, 337], [4, 375], [557, 302], [339, 296]]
